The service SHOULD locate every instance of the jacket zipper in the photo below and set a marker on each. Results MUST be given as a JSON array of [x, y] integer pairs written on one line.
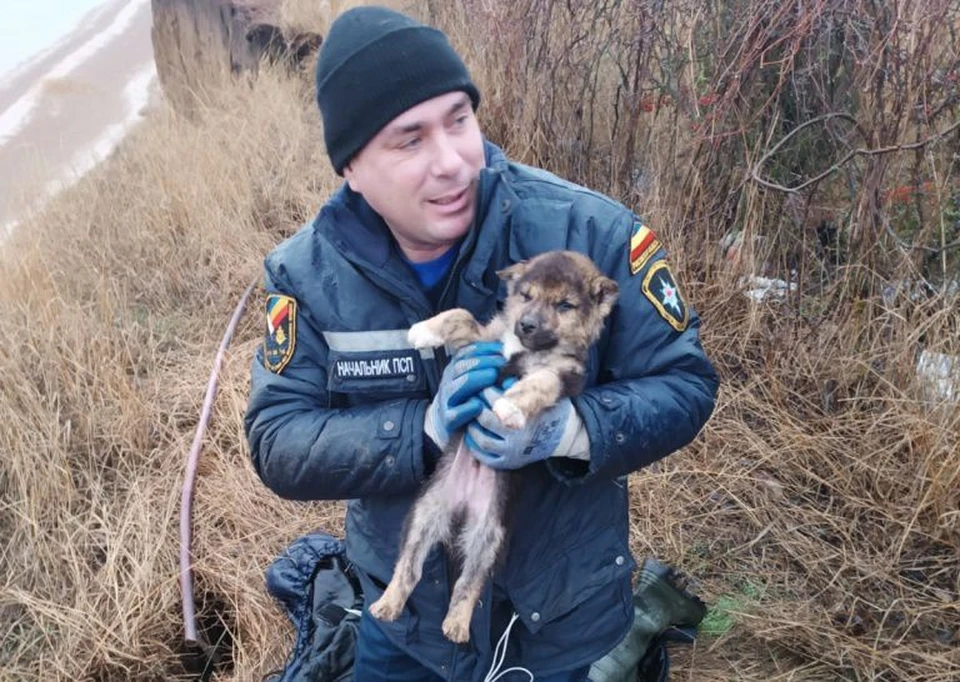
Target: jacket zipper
[[461, 257]]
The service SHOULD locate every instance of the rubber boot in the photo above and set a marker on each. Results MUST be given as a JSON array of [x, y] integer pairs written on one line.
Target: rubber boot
[[659, 603]]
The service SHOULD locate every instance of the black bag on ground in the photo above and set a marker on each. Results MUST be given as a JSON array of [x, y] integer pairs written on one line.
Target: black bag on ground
[[316, 586]]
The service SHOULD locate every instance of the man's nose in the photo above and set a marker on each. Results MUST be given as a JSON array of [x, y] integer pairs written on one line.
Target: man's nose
[[447, 159]]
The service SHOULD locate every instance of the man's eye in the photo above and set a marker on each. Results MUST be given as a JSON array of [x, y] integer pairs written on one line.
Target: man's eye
[[411, 143], [565, 306]]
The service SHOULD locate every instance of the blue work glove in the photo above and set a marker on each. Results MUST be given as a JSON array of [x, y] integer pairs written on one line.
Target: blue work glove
[[471, 370], [553, 433]]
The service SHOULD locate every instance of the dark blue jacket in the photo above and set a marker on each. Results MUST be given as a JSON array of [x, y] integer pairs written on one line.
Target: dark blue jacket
[[344, 418]]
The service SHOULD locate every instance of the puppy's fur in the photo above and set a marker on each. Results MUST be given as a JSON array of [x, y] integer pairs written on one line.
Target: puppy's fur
[[555, 308]]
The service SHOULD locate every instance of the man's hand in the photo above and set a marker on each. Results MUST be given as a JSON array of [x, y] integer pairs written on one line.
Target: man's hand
[[473, 369], [558, 432]]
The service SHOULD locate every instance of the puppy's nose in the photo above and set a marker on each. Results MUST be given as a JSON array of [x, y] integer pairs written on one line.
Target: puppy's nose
[[528, 325]]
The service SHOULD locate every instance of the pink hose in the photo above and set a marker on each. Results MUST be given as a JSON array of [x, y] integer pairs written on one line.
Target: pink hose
[[186, 498]]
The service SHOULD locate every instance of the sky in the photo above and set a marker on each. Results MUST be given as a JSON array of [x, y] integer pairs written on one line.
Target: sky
[[32, 26]]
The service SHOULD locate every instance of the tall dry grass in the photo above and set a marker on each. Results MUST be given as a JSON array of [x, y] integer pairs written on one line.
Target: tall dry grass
[[817, 513], [112, 301], [814, 142]]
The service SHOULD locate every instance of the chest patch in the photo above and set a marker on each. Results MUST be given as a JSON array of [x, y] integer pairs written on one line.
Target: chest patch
[[280, 336], [384, 365], [374, 363], [378, 372], [660, 287]]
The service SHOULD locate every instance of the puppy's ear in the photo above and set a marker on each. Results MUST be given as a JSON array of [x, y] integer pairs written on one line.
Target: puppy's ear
[[605, 292], [511, 274]]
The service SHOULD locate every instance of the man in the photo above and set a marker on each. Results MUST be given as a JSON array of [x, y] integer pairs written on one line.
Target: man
[[342, 407]]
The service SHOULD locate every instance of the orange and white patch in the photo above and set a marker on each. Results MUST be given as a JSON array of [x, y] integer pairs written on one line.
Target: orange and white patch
[[643, 244]]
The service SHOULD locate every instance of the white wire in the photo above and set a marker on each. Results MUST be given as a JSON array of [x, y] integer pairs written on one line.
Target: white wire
[[500, 653]]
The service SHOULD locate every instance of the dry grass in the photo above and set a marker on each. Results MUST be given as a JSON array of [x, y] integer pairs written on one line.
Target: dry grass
[[818, 511], [112, 301]]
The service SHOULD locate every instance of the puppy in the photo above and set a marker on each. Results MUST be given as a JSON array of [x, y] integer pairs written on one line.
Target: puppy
[[555, 308]]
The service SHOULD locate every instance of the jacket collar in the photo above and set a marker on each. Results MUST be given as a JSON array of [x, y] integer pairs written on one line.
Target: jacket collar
[[355, 228]]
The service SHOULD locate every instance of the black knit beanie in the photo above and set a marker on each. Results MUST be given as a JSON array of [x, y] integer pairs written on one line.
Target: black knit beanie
[[375, 64]]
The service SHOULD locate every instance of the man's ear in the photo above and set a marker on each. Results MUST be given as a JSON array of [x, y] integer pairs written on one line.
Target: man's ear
[[350, 175], [512, 273], [605, 292]]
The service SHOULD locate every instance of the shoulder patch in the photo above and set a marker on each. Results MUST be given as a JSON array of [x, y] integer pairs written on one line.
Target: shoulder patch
[[643, 244], [660, 286], [281, 332]]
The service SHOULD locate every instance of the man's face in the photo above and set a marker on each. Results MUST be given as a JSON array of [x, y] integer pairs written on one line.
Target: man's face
[[420, 174]]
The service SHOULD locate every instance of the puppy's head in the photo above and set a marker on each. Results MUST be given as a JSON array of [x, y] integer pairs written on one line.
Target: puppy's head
[[557, 298]]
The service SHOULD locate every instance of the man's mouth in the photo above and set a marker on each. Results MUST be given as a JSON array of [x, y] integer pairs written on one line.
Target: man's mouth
[[450, 200]]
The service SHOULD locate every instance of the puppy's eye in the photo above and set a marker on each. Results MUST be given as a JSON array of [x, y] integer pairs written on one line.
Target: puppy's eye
[[525, 295], [566, 306]]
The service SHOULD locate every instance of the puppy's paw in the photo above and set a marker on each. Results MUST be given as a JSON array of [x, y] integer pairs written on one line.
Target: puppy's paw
[[386, 609], [456, 628], [509, 413], [421, 336]]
